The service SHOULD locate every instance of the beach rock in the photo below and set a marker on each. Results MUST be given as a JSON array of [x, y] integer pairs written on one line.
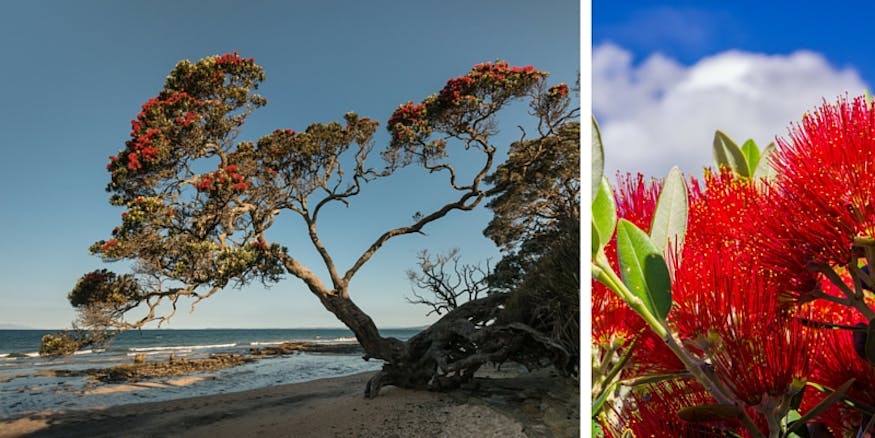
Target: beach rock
[[310, 347], [173, 367]]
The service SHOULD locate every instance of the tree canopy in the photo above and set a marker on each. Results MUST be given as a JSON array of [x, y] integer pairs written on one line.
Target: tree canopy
[[198, 201]]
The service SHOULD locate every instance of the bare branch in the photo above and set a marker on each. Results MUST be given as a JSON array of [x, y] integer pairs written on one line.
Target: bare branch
[[449, 287]]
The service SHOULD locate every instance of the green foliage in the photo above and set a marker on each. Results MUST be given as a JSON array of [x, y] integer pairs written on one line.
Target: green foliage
[[728, 154], [643, 269], [60, 344], [604, 215], [548, 299], [102, 287], [540, 184], [764, 169], [746, 161], [751, 153], [669, 222], [598, 158]]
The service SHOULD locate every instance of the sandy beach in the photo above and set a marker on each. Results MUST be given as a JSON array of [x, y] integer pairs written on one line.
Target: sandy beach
[[496, 404]]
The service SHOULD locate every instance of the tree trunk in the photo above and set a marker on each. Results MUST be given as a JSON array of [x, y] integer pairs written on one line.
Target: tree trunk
[[375, 346], [449, 352]]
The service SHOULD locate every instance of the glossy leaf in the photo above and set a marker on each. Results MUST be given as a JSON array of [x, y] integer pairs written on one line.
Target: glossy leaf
[[821, 407], [604, 214], [764, 169], [670, 218], [643, 269], [707, 413], [727, 153], [751, 154], [598, 157]]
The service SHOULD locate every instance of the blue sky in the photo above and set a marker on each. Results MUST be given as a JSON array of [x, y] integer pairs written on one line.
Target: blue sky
[[666, 75], [75, 73]]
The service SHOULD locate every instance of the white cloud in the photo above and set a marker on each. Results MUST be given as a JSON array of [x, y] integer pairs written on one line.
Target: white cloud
[[660, 113]]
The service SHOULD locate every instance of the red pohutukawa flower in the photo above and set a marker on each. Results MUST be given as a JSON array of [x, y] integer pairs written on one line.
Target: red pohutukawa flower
[[823, 196], [717, 214], [724, 303], [653, 412], [834, 362], [613, 319]]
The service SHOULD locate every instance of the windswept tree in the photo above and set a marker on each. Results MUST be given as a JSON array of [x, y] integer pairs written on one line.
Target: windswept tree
[[198, 204]]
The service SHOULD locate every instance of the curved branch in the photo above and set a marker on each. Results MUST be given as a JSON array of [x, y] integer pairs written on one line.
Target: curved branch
[[461, 204], [307, 276]]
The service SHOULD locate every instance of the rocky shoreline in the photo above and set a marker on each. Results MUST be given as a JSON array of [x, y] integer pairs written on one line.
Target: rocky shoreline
[[141, 369]]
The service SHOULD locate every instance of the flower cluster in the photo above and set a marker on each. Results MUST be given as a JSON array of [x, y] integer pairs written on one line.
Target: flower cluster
[[159, 118], [557, 91], [486, 78], [233, 59], [407, 122], [825, 192], [484, 88], [227, 177]]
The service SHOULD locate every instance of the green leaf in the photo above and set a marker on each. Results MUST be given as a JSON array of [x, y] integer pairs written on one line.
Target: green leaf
[[643, 269], [600, 400], [670, 218], [707, 413], [727, 153], [655, 378], [604, 214], [764, 169], [751, 154], [789, 419], [821, 407], [598, 157], [596, 243], [597, 429]]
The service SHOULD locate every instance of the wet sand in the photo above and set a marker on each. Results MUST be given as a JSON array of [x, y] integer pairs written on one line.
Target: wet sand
[[497, 404]]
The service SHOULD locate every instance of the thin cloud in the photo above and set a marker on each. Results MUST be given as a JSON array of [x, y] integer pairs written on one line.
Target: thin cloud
[[660, 113], [687, 29]]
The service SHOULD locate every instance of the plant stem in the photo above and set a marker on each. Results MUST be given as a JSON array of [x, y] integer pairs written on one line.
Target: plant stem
[[603, 272]]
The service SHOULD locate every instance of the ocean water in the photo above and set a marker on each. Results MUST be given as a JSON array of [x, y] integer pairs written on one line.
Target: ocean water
[[27, 386]]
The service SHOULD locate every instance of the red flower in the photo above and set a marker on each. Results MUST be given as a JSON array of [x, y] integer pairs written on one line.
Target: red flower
[[231, 59], [240, 186], [134, 162], [824, 193], [652, 412], [834, 362], [204, 184], [149, 153], [725, 303], [110, 244], [558, 91]]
